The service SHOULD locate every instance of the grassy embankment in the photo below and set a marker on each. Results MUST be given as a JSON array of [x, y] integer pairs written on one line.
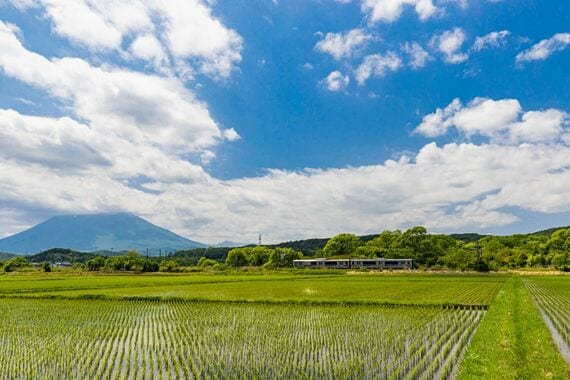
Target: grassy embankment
[[513, 342]]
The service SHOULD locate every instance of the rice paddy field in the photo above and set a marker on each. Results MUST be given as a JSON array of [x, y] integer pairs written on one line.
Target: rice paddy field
[[283, 325]]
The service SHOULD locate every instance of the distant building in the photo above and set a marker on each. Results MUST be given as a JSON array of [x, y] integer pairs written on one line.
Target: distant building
[[63, 264], [354, 263]]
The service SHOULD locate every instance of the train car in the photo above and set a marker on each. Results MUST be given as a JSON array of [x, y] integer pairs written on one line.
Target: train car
[[380, 263]]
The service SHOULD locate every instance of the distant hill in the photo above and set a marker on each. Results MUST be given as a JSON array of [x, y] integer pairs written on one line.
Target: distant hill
[[549, 231], [56, 255], [4, 255], [468, 237], [230, 244], [98, 232]]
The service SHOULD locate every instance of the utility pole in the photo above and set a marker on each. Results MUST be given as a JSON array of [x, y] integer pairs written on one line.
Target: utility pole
[[259, 241]]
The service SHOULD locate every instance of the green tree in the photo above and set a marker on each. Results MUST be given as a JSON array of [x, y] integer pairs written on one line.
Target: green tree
[[283, 257], [561, 261], [46, 267], [206, 262], [95, 264], [384, 242], [342, 244], [258, 255], [16, 263], [132, 261], [559, 241], [461, 258], [236, 258]]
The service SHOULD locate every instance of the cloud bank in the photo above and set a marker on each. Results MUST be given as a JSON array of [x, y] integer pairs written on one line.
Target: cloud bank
[[138, 141]]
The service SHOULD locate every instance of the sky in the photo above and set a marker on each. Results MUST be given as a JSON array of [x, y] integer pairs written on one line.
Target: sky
[[223, 119]]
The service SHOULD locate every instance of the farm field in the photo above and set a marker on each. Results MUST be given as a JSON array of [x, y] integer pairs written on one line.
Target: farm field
[[279, 325], [552, 296], [58, 281], [142, 339], [513, 341], [406, 290]]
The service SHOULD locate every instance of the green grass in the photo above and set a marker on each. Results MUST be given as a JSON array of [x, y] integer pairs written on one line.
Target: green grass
[[513, 342], [405, 290], [32, 283]]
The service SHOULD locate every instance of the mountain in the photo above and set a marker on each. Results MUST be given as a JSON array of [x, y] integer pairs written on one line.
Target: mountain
[[4, 255], [230, 244], [97, 232]]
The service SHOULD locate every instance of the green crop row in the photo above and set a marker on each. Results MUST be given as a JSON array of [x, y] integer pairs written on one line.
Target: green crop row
[[144, 339], [419, 290], [552, 296]]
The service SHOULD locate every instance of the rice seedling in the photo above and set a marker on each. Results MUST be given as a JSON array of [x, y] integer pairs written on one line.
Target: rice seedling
[[143, 339]]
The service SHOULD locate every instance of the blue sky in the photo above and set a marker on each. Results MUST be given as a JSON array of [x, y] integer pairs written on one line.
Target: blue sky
[[295, 119]]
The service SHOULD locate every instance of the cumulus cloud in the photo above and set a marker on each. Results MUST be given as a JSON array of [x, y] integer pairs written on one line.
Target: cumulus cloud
[[148, 48], [377, 65], [336, 81], [445, 187], [343, 45], [149, 109], [184, 29], [503, 121], [449, 43], [491, 40], [418, 56], [390, 10], [231, 134], [545, 48], [65, 145], [127, 138]]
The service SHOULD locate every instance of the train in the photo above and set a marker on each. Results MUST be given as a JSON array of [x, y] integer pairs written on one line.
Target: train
[[380, 263]]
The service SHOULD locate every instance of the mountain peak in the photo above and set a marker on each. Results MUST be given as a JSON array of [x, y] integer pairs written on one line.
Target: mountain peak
[[96, 232]]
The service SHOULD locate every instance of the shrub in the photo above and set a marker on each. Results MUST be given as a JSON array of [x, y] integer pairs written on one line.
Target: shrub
[[16, 263], [169, 266]]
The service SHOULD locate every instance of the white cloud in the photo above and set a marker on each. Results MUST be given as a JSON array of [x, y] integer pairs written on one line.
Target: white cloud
[[67, 146], [418, 56], [192, 31], [449, 43], [126, 143], [148, 48], [491, 40], [186, 29], [545, 48], [143, 108], [539, 126], [231, 134], [390, 10], [503, 121], [335, 81], [377, 65], [343, 45], [454, 186]]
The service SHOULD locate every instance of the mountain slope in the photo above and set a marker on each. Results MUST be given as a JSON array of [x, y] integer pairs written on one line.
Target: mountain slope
[[116, 232]]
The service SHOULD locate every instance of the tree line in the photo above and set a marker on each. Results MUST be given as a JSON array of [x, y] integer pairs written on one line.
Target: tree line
[[547, 249], [440, 251]]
